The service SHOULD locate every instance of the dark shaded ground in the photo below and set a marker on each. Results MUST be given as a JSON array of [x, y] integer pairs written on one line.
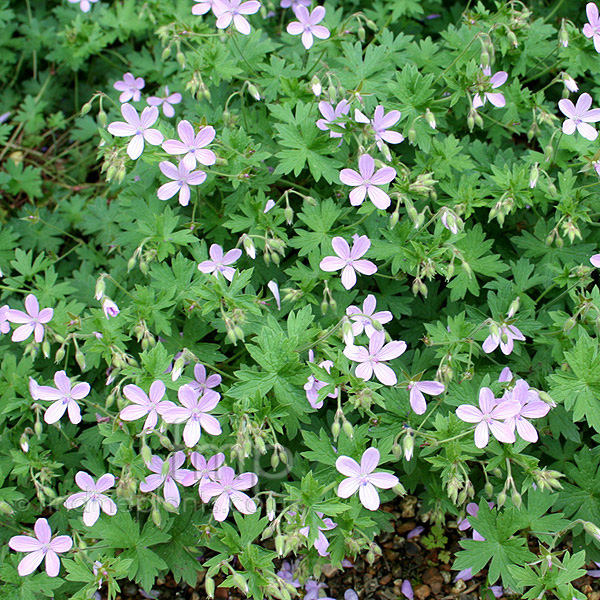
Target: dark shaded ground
[[427, 568]]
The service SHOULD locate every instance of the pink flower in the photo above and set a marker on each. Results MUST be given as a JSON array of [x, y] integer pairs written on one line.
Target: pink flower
[[416, 389], [204, 383], [92, 498], [307, 25], [531, 407], [206, 469], [192, 145], [366, 182], [313, 385], [579, 116], [321, 543], [488, 417], [372, 359], [84, 5], [363, 319], [145, 406], [331, 115], [109, 307], [595, 260], [495, 98], [194, 413], [137, 127], [348, 260], [361, 478], [449, 221], [570, 83], [182, 179], [39, 547], [227, 487], [472, 510], [504, 336], [380, 124], [505, 375], [219, 263], [592, 29], [4, 322], [169, 476], [32, 321], [64, 397], [167, 100], [130, 88], [232, 10]]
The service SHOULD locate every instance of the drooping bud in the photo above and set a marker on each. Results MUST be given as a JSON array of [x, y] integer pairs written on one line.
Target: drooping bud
[[516, 499], [209, 586]]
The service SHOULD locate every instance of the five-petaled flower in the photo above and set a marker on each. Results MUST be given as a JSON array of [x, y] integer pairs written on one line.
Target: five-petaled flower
[[130, 88], [233, 10], [229, 487], [349, 259], [380, 124], [166, 101], [332, 115], [579, 116], [314, 385], [109, 307], [321, 543], [495, 81], [307, 25], [63, 396], [371, 359], [203, 383], [219, 263], [192, 145], [169, 476], [531, 407], [361, 478], [488, 417], [416, 389], [39, 547], [92, 498], [31, 322], [194, 413], [366, 182], [592, 29], [503, 336], [145, 405], [138, 127], [182, 179], [205, 469], [367, 319]]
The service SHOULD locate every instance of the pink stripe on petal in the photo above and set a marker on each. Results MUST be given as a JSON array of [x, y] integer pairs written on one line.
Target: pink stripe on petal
[[30, 563], [378, 197], [385, 374], [368, 496], [348, 487], [366, 166], [369, 460]]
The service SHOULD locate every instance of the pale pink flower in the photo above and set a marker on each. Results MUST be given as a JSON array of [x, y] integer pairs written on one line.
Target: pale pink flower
[[144, 405], [505, 375], [416, 390], [219, 263], [31, 322], [202, 7], [233, 10], [92, 498], [39, 547], [504, 338], [366, 182], [448, 219], [488, 418], [167, 100], [203, 383], [595, 260], [579, 116], [130, 88], [592, 29], [192, 145], [84, 5], [4, 322], [313, 385], [349, 260], [205, 469], [307, 25], [169, 476], [372, 359], [64, 398], [363, 319], [138, 127], [332, 115], [194, 413], [269, 205], [570, 83], [321, 543], [109, 307], [380, 124], [361, 478], [495, 98], [182, 179], [531, 407], [229, 488]]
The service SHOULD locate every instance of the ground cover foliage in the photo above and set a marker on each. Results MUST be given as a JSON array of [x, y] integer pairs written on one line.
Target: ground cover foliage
[[265, 267]]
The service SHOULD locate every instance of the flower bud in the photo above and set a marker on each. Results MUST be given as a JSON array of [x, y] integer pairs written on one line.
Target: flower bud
[[6, 508], [408, 445], [335, 430], [24, 442], [399, 489], [146, 454], [60, 354], [156, 518], [592, 529], [80, 359], [102, 119], [563, 35], [512, 38], [85, 109], [348, 429], [209, 586], [240, 582], [180, 59], [394, 218], [253, 91], [412, 135], [271, 507], [516, 499], [397, 450], [177, 368], [38, 428], [279, 544], [288, 213], [488, 488], [361, 33], [501, 499], [166, 53], [248, 245], [430, 118], [534, 175]]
